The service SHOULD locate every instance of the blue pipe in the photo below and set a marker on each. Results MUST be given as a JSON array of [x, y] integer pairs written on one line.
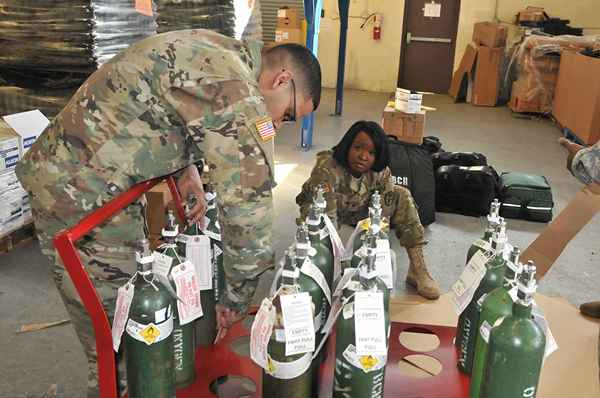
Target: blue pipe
[[344, 6]]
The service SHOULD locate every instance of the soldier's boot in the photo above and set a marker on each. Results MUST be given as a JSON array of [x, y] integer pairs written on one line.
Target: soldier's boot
[[591, 309], [418, 276]]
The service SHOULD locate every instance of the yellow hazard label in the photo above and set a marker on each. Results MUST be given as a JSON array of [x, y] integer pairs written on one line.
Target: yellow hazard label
[[270, 366], [150, 334], [368, 362], [365, 224]]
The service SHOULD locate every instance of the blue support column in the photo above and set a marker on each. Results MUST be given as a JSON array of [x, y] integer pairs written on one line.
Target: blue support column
[[344, 6], [312, 12]]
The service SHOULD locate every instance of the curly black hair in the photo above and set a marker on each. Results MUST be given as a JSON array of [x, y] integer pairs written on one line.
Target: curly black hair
[[378, 136]]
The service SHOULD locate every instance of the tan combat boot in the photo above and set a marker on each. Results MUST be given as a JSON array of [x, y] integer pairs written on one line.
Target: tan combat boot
[[418, 276], [591, 309]]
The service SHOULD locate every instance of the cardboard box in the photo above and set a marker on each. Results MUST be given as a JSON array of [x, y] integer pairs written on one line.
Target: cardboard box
[[9, 148], [532, 14], [490, 34], [407, 127], [28, 126], [289, 35], [486, 85], [159, 200], [407, 101], [460, 79], [577, 96], [288, 18]]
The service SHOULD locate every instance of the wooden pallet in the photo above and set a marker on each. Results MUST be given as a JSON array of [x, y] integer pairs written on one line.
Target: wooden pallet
[[11, 239]]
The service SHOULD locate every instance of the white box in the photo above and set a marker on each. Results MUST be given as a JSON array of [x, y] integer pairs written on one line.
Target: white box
[[11, 209], [8, 181], [9, 150], [28, 125], [407, 101]]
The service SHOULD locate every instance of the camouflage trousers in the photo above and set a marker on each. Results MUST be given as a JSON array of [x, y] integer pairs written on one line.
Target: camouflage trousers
[[109, 261]]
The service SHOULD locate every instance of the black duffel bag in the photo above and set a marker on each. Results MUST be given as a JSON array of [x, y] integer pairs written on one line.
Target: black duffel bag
[[466, 159], [466, 190], [411, 168]]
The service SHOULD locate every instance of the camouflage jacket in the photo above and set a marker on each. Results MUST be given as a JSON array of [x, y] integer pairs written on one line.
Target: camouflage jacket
[[164, 103], [348, 198], [586, 165]]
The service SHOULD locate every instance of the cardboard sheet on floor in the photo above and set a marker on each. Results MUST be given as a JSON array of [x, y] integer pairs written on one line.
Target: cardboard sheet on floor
[[570, 371], [460, 80], [546, 249]]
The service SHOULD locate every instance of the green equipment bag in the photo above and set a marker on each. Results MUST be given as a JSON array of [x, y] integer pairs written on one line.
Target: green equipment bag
[[526, 196]]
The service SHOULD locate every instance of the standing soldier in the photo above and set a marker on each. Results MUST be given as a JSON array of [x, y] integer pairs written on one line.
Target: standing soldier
[[157, 108]]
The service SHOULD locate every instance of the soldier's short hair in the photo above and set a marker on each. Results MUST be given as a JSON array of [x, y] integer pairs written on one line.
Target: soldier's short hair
[[374, 130], [305, 64]]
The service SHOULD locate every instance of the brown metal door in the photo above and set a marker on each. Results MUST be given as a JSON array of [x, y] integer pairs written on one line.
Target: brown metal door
[[428, 43]]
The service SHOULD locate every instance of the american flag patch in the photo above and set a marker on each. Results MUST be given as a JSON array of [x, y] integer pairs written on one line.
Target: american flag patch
[[265, 128]]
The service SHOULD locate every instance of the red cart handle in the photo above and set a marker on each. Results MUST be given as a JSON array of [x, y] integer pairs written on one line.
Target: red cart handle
[[65, 245]]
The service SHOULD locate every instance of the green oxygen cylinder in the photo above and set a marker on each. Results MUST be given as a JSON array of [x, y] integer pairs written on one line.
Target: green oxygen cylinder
[[148, 341], [492, 307], [375, 225], [492, 221], [469, 319], [516, 347], [321, 254], [297, 382], [183, 335], [320, 202], [360, 376]]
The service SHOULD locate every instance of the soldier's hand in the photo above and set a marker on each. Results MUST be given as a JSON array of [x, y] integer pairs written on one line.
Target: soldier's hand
[[572, 147], [225, 319], [190, 182]]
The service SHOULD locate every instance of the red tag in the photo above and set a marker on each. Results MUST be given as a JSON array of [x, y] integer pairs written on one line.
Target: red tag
[[144, 7]]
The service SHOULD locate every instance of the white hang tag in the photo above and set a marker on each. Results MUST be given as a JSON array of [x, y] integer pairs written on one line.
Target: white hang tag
[[182, 238], [260, 333], [349, 250], [383, 262], [217, 251], [124, 298], [311, 270], [334, 313], [463, 290], [343, 283], [483, 244], [513, 293], [323, 233], [197, 251], [508, 248], [369, 323], [187, 287], [161, 269], [540, 319], [298, 323], [336, 241]]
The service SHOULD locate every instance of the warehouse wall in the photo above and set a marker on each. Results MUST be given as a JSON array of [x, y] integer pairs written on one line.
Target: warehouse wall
[[373, 65]]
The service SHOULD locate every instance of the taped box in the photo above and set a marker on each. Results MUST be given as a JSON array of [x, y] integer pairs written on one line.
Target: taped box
[[9, 148], [289, 35], [288, 17], [490, 34], [407, 127]]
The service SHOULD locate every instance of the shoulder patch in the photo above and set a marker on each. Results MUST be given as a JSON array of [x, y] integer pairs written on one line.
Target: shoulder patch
[[265, 128]]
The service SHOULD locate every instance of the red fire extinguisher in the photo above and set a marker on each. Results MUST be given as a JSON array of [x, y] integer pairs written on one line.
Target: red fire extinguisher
[[377, 19]]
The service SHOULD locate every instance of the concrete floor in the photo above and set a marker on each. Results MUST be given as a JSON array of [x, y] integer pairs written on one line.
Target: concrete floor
[[31, 362]]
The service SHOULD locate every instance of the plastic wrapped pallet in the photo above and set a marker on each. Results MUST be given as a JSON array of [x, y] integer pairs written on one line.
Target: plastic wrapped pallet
[[217, 15], [49, 102], [537, 61]]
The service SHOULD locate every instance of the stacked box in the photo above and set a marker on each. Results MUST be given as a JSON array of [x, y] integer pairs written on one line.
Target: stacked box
[[289, 28], [9, 148], [538, 62]]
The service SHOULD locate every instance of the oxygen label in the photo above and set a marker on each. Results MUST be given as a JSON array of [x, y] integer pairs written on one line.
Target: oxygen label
[[161, 269], [383, 262], [367, 363], [482, 244], [189, 307], [369, 323], [311, 270], [464, 289], [298, 323], [485, 330], [197, 251], [151, 333], [124, 298], [260, 333]]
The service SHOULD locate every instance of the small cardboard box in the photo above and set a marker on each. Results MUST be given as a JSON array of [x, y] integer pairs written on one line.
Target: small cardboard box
[[408, 101], [158, 200], [289, 35], [486, 86], [532, 14], [29, 126], [577, 96], [9, 148], [490, 34], [288, 18], [521, 99], [407, 127]]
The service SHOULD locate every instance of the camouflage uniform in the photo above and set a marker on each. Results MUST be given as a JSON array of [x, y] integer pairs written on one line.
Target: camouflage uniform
[[165, 103], [586, 165], [348, 198]]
